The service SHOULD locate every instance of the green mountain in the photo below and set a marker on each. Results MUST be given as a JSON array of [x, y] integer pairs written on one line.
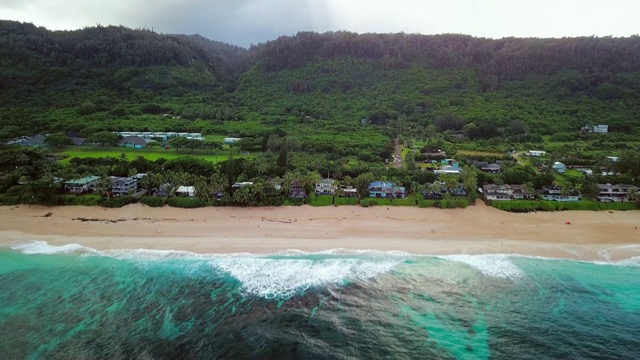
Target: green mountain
[[338, 93]]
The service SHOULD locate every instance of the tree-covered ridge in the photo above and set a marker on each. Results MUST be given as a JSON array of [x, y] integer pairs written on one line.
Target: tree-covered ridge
[[504, 59]]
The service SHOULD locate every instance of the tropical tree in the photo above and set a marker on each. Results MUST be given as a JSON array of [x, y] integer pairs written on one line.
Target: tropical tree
[[362, 183], [528, 189], [103, 138], [203, 189], [152, 181], [178, 142], [211, 145], [104, 186], [309, 182], [58, 140], [243, 196]]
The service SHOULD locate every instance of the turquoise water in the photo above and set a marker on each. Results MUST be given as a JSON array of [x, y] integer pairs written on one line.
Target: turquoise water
[[74, 302]]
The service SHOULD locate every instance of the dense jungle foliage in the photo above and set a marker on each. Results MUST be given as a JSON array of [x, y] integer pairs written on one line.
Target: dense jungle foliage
[[330, 103]]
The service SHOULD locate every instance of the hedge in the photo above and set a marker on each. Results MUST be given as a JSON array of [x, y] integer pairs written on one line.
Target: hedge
[[118, 201], [153, 201], [321, 200], [346, 201], [9, 199], [528, 206], [186, 203], [83, 200]]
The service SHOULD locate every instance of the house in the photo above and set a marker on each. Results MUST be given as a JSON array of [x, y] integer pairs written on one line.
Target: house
[[382, 189], [419, 109], [459, 190], [559, 167], [123, 185], [491, 168], [435, 153], [613, 158], [297, 191], [171, 134], [615, 193], [78, 141], [134, 142], [240, 185], [449, 170], [230, 140], [350, 191], [195, 136], [601, 129], [554, 193], [36, 141], [326, 187], [186, 191], [536, 153], [505, 192], [82, 185]]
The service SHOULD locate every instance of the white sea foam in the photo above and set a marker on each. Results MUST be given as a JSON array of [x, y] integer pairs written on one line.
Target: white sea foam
[[284, 277], [42, 247], [498, 266]]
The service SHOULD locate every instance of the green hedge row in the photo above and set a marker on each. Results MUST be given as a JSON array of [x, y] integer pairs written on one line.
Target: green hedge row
[[186, 203], [153, 201], [444, 204], [346, 201], [321, 201], [118, 201], [529, 206]]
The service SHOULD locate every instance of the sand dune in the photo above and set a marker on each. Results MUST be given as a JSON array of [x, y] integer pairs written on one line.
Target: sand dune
[[477, 229]]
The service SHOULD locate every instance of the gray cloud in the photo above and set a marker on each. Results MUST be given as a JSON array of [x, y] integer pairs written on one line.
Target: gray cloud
[[240, 22], [244, 22]]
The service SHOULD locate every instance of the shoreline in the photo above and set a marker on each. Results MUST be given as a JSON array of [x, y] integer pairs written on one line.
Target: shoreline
[[591, 236]]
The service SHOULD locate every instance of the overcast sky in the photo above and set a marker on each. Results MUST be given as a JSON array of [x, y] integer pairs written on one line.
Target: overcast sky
[[243, 22]]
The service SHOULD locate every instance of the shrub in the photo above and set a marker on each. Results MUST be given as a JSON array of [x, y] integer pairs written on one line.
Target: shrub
[[186, 203], [118, 201], [85, 200], [321, 200], [427, 203], [294, 202], [346, 201], [368, 202], [153, 201], [9, 200]]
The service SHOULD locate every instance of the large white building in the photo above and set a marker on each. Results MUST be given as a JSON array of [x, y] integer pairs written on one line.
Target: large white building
[[326, 187]]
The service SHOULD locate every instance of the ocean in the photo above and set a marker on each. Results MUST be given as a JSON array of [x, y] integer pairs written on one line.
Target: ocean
[[72, 302]]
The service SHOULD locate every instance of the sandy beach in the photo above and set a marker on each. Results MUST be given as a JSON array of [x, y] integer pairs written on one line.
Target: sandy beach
[[476, 230]]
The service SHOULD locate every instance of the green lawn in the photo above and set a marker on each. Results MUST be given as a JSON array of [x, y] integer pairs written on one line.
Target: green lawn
[[149, 153]]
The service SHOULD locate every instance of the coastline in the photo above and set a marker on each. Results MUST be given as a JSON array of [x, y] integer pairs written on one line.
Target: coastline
[[591, 236]]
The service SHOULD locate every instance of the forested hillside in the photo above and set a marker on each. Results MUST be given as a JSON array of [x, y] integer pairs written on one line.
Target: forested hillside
[[335, 93]]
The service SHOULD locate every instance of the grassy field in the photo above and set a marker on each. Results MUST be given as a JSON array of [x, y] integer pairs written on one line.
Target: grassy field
[[150, 153]]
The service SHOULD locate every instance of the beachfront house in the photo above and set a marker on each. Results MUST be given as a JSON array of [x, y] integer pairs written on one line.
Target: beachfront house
[[350, 192], [384, 189], [82, 185], [615, 193], [186, 191], [123, 185], [326, 187], [554, 193], [439, 189], [507, 192], [559, 167]]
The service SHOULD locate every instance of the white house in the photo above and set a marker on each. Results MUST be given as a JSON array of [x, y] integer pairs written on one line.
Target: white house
[[504, 192], [537, 153], [123, 185], [186, 191], [326, 187], [614, 193], [554, 193], [448, 170], [230, 140]]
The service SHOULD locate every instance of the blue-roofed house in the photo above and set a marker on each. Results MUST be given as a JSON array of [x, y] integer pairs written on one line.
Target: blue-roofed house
[[560, 167], [385, 189]]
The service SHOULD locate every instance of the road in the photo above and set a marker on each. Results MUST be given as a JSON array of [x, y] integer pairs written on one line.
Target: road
[[397, 155]]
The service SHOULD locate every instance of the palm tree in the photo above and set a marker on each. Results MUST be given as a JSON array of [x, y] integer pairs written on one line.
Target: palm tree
[[309, 182], [634, 195], [287, 182], [259, 190], [202, 188], [528, 189], [243, 196], [104, 186]]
